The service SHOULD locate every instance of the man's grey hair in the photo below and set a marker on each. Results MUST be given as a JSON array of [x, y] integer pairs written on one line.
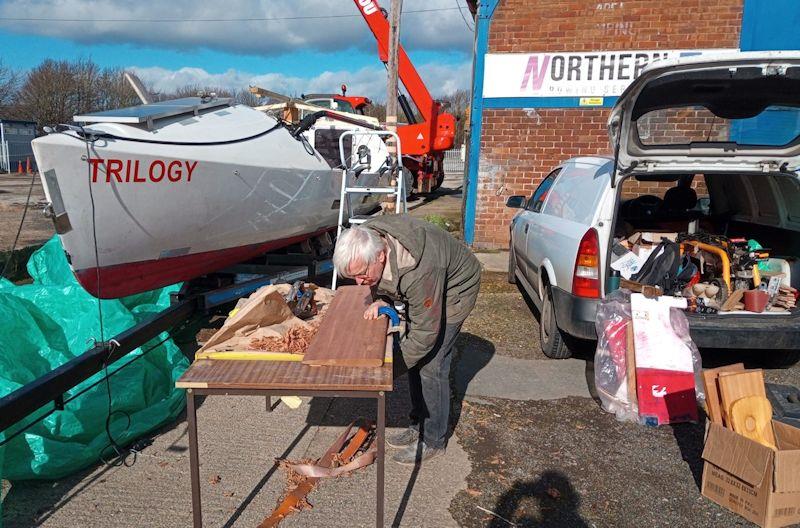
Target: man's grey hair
[[356, 243]]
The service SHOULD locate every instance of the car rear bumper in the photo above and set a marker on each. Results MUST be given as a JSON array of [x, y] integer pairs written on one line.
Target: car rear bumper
[[575, 315], [776, 332]]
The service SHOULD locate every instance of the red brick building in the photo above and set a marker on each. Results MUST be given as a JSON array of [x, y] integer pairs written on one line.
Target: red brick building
[[518, 133]]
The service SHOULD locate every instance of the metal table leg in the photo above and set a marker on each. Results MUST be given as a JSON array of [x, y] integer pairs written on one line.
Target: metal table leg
[[381, 430], [194, 460]]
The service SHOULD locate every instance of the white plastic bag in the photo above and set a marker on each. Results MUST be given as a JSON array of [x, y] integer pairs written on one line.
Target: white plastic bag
[[610, 365], [614, 336]]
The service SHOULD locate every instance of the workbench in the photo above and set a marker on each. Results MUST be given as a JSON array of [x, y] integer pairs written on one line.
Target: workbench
[[209, 377]]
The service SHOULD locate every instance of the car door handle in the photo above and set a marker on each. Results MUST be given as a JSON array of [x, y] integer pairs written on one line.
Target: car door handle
[[526, 227]]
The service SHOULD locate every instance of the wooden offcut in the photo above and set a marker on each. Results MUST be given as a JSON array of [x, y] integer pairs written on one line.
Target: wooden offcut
[[345, 338], [752, 417], [291, 376], [731, 302], [630, 364], [737, 385], [714, 407]]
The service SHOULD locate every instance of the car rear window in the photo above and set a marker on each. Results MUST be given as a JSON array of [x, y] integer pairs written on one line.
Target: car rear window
[[775, 126]]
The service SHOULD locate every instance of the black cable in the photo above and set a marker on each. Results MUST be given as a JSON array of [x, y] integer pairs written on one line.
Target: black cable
[[104, 135], [21, 223], [471, 28], [195, 20], [111, 345]]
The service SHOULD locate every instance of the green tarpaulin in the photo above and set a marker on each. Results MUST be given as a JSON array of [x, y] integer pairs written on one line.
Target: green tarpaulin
[[53, 320]]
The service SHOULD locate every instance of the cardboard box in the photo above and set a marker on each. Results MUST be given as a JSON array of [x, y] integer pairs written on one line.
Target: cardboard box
[[752, 480]]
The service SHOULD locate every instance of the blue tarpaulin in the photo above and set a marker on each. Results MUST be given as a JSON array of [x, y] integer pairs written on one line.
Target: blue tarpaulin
[[53, 320]]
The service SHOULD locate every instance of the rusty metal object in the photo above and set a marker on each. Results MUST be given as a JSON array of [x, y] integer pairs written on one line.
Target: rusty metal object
[[340, 458], [636, 287]]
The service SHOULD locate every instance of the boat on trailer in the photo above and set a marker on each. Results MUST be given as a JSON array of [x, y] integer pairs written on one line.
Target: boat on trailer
[[155, 194]]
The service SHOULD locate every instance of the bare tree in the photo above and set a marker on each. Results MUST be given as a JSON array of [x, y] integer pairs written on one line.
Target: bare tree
[[9, 84], [243, 96], [55, 91], [114, 91]]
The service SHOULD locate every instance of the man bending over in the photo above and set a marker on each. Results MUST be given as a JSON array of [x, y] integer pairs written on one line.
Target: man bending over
[[438, 278]]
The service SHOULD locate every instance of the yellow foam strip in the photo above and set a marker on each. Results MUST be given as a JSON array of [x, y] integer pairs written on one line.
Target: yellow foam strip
[[250, 355]]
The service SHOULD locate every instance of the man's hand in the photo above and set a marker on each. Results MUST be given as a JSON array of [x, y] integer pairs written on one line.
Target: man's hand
[[372, 309]]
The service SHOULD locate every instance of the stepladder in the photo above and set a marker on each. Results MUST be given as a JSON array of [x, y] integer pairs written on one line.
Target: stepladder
[[354, 164]]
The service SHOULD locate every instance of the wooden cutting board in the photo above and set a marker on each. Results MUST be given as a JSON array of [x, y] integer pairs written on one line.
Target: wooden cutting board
[[752, 417], [345, 338], [737, 385], [714, 407]]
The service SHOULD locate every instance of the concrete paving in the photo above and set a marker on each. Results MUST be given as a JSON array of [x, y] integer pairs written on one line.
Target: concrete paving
[[13, 196], [494, 261], [494, 375], [240, 482]]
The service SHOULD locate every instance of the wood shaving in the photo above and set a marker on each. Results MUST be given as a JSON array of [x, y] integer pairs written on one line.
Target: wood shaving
[[296, 340]]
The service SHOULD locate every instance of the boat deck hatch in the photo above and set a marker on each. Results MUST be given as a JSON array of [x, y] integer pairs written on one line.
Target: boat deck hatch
[[147, 113]]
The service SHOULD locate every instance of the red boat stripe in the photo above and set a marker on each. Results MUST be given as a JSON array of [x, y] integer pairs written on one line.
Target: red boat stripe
[[136, 277]]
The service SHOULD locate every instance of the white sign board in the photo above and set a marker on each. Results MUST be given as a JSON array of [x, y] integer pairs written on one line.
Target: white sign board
[[581, 74]]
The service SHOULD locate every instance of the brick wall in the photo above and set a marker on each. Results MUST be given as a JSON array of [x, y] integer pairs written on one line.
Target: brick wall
[[520, 146]]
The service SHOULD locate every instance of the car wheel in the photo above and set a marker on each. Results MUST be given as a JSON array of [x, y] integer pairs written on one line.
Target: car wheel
[[552, 341], [512, 265]]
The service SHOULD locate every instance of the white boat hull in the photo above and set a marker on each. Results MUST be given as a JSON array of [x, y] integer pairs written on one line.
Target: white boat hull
[[164, 213]]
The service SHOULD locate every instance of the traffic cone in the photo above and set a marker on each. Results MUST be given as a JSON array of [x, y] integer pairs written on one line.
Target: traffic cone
[[27, 165], [19, 167]]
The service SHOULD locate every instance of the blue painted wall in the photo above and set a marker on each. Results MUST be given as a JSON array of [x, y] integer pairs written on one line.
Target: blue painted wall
[[769, 25]]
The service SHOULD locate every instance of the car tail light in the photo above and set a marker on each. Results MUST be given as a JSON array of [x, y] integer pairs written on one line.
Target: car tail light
[[586, 278]]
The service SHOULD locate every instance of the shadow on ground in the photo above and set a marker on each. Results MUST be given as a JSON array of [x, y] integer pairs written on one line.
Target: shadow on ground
[[557, 504]]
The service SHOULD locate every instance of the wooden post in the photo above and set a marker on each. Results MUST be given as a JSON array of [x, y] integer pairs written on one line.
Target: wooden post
[[630, 364], [392, 90]]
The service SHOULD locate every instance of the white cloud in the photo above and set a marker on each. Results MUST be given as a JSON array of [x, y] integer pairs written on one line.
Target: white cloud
[[441, 30], [440, 79]]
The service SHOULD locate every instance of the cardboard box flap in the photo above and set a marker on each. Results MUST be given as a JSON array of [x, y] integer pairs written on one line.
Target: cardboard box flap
[[787, 471], [786, 436], [787, 458], [739, 456]]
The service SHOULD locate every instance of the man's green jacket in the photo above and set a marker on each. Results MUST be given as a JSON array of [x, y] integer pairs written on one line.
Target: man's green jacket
[[435, 274]]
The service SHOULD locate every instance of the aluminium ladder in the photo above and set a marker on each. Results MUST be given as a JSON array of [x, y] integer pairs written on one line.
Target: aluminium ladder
[[346, 216]]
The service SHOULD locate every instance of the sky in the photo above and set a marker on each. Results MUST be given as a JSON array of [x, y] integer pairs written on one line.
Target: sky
[[293, 47]]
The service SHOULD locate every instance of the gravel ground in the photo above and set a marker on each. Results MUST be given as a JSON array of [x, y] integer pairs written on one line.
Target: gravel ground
[[13, 193], [502, 321], [555, 463], [566, 463]]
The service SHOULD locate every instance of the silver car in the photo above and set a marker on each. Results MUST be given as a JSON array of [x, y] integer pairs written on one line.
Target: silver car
[[705, 148]]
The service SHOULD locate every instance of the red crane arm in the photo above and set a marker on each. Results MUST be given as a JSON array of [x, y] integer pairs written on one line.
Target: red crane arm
[[373, 16], [423, 143]]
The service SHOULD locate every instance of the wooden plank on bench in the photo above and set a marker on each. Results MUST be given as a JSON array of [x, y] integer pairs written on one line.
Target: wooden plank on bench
[[345, 338]]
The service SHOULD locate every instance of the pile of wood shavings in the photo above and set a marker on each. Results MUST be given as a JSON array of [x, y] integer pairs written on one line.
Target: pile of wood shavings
[[296, 340]]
